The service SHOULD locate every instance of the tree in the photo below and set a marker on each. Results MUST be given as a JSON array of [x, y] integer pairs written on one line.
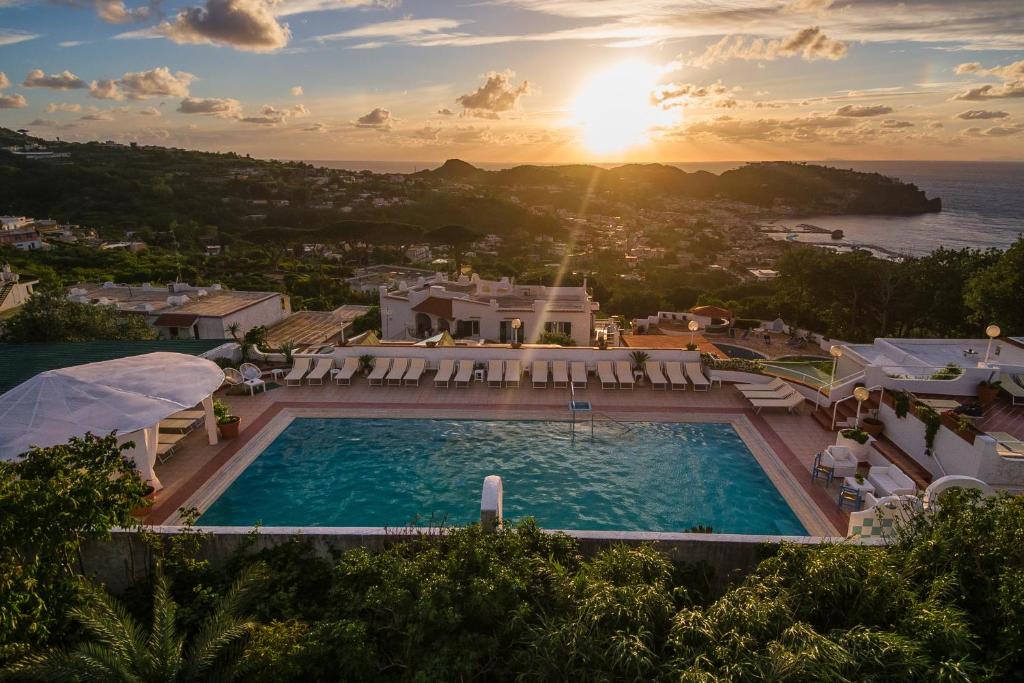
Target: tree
[[367, 321], [455, 236], [50, 502], [52, 317], [996, 294], [117, 648]]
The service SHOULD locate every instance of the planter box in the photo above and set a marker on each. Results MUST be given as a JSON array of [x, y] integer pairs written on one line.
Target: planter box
[[859, 450]]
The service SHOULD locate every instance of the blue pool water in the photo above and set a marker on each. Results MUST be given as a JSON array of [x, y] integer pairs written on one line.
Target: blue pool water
[[642, 476]]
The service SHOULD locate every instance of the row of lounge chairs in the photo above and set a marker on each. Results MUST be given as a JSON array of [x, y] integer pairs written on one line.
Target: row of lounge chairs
[[175, 428], [675, 375], [774, 394]]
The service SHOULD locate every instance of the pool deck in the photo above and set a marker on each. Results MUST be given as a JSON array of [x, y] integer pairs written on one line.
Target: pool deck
[[794, 439]]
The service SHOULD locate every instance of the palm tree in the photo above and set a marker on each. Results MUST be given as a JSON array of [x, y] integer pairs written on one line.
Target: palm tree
[[118, 648]]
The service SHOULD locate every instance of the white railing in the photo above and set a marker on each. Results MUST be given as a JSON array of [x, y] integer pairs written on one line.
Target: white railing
[[835, 406]]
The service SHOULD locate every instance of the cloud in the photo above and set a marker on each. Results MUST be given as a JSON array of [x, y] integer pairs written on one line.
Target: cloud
[[992, 92], [445, 111], [808, 5], [893, 124], [14, 37], [4, 81], [158, 82], [286, 8], [315, 128], [65, 80], [798, 129], [995, 131], [14, 101], [297, 91], [936, 124], [105, 89], [248, 25], [810, 43], [679, 94], [150, 111], [43, 123], [115, 12], [407, 28], [70, 43], [217, 106], [863, 110], [271, 116], [62, 106], [979, 114], [378, 118], [1011, 75], [429, 133], [497, 94], [97, 116]]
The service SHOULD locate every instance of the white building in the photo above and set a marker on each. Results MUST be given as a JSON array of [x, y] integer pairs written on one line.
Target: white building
[[14, 291], [485, 309], [181, 311]]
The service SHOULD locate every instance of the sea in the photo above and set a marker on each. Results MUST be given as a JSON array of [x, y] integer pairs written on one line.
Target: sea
[[982, 204]]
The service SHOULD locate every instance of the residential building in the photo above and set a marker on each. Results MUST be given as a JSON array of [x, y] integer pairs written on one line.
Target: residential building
[[311, 328], [487, 309], [26, 238], [372, 278], [15, 291], [181, 311]]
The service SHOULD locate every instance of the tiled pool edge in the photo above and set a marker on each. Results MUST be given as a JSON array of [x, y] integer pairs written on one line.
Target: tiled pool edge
[[803, 506]]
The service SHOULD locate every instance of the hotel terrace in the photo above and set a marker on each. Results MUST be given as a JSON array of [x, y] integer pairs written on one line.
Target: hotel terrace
[[791, 423]]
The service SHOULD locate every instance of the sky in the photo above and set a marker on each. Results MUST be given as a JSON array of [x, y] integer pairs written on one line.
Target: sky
[[545, 81]]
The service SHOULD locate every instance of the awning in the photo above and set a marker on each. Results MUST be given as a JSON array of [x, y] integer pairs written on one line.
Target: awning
[[175, 320]]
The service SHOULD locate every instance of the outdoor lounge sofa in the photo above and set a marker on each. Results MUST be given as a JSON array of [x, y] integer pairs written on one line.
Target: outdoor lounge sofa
[[539, 374], [343, 375], [495, 374], [674, 370], [579, 374], [607, 375], [323, 366], [560, 374], [445, 370], [696, 375], [465, 374], [890, 481], [412, 376], [398, 368], [624, 372], [299, 369], [379, 372], [654, 376]]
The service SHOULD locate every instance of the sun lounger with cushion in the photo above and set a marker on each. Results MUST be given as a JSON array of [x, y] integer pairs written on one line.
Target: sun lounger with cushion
[[696, 375], [560, 374], [445, 369], [465, 374], [790, 403], [607, 375], [774, 385], [1007, 445], [539, 374], [379, 372], [323, 366], [299, 369], [783, 392], [189, 415], [675, 375], [495, 373], [398, 368], [579, 374], [173, 424], [1014, 386], [164, 437], [343, 375], [416, 368], [624, 372], [513, 373], [653, 370]]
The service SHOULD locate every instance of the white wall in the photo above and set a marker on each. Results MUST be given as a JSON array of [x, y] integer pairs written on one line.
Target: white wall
[[265, 312]]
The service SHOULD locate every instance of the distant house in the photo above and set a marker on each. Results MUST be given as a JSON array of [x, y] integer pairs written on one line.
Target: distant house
[[181, 311], [312, 328], [371, 278], [15, 291], [763, 274]]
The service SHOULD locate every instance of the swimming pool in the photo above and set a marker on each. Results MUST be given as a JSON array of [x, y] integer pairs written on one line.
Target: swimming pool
[[638, 476], [743, 352]]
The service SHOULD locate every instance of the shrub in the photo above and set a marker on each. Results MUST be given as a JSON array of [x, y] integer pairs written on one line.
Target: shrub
[[556, 338], [858, 435]]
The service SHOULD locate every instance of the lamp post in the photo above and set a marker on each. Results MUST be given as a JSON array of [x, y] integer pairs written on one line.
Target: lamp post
[[836, 352], [861, 394], [693, 326], [992, 331], [516, 324]]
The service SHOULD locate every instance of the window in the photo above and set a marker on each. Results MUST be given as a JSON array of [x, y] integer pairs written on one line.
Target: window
[[559, 327], [467, 328]]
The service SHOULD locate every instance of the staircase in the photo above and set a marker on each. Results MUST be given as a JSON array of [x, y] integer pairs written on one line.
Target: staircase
[[847, 410], [4, 291]]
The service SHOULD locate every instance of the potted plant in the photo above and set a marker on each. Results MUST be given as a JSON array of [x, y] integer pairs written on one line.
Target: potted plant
[[691, 346], [901, 403], [366, 363], [639, 359], [147, 497], [229, 424], [988, 390], [856, 440], [872, 425], [859, 477]]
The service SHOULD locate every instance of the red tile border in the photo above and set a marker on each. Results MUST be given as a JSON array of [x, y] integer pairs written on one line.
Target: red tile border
[[826, 504]]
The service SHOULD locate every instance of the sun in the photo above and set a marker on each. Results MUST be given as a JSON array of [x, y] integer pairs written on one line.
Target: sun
[[614, 111]]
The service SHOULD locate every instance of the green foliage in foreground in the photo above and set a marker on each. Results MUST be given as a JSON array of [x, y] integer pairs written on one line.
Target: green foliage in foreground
[[51, 317]]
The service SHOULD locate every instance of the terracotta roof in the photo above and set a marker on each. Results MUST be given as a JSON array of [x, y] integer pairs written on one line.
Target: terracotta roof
[[712, 311], [435, 306], [175, 320]]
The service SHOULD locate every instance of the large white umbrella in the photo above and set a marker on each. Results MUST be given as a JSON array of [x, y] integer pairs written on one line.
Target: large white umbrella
[[127, 395]]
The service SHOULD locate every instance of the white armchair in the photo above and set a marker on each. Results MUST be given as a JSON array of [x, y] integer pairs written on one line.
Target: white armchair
[[890, 481], [841, 460]]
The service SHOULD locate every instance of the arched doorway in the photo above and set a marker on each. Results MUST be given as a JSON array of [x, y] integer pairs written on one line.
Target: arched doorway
[[423, 324], [443, 325]]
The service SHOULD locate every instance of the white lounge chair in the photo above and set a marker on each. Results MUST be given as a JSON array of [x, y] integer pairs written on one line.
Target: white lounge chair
[[379, 372], [539, 374], [177, 424], [696, 375], [782, 392], [653, 370], [465, 374], [607, 375], [300, 367], [675, 375], [560, 374], [323, 366], [1007, 445], [513, 373], [579, 374], [189, 415], [890, 481], [841, 460], [774, 385], [790, 403], [624, 372], [495, 373], [416, 368], [398, 368], [343, 376], [445, 370], [1009, 384], [252, 377]]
